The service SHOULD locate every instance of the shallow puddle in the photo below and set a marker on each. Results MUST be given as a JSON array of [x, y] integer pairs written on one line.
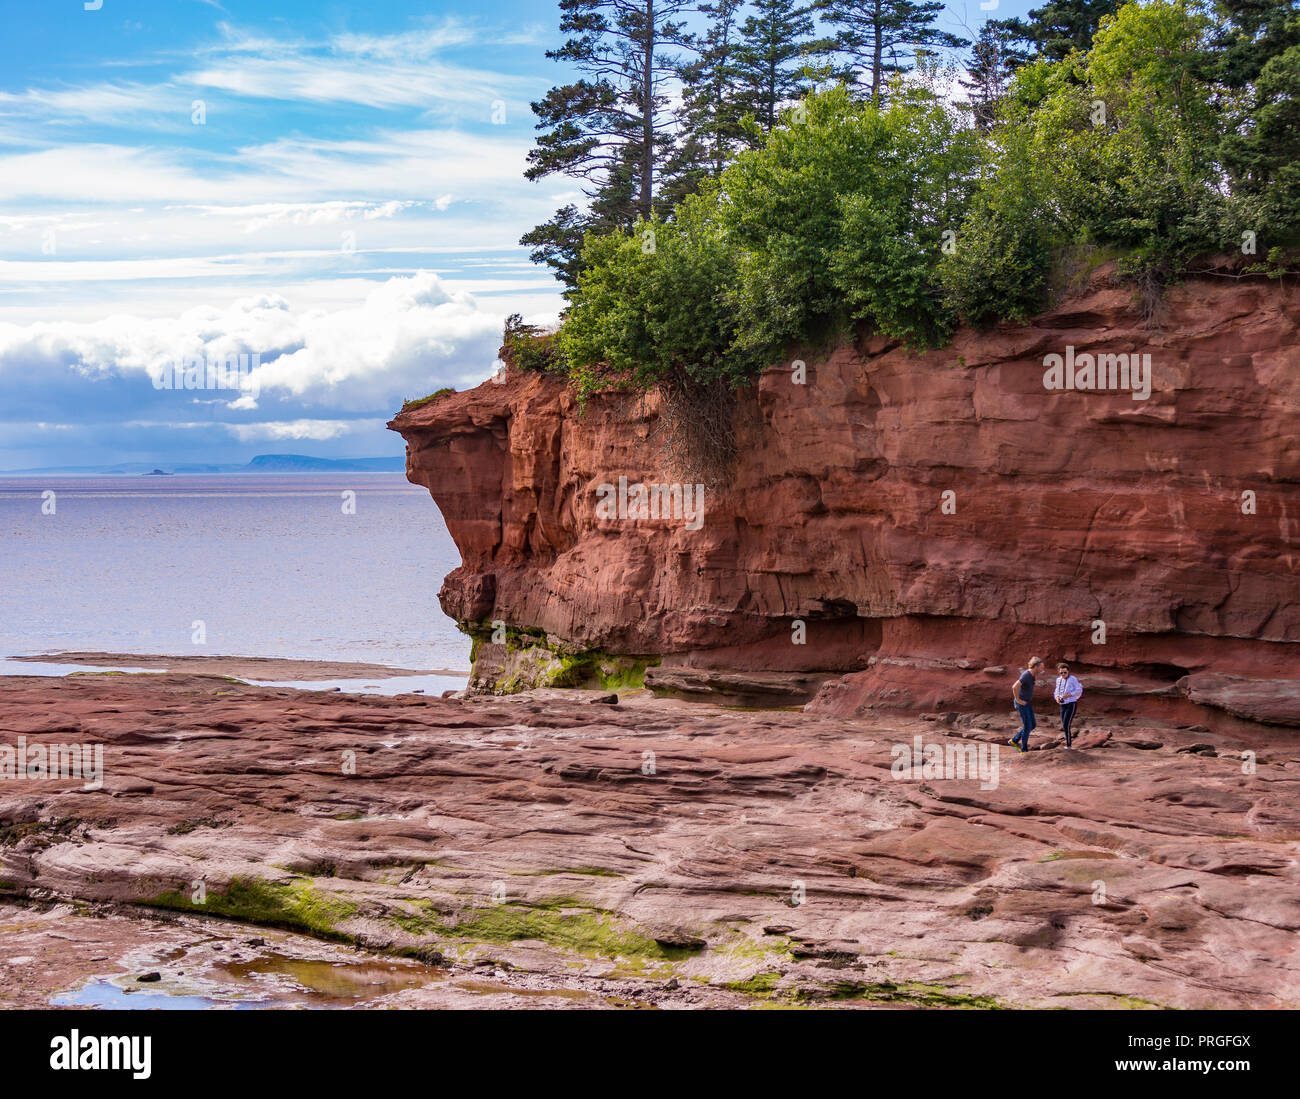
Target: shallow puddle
[[270, 981], [102, 993], [344, 981]]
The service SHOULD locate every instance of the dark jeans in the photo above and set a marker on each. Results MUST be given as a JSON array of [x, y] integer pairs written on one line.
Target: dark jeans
[[1028, 723], [1067, 718]]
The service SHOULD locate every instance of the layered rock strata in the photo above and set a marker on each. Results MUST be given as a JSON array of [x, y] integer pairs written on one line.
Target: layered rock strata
[[905, 530]]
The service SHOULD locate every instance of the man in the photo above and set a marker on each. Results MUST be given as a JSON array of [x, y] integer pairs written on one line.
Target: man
[[1022, 692], [1068, 692]]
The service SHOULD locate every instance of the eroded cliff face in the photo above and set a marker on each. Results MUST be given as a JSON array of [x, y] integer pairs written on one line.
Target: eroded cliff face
[[932, 519]]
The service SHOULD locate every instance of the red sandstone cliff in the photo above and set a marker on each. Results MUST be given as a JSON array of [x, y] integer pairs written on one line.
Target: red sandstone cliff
[[1069, 508]]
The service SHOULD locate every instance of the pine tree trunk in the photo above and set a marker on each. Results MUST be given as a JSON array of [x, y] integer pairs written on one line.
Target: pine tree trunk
[[879, 56], [647, 113], [771, 89]]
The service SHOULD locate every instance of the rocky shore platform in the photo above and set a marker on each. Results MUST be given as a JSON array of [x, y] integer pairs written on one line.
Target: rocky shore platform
[[585, 849], [243, 667]]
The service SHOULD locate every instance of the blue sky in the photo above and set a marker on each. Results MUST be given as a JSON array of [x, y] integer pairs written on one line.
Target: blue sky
[[334, 186]]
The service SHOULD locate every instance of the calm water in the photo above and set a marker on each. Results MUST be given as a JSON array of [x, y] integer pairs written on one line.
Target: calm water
[[270, 564]]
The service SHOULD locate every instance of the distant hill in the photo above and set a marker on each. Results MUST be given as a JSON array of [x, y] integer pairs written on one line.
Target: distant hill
[[300, 463], [263, 463]]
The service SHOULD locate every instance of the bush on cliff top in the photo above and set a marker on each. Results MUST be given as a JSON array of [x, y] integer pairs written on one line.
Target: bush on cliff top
[[906, 219], [1114, 148], [527, 347], [655, 304], [838, 219], [420, 402]]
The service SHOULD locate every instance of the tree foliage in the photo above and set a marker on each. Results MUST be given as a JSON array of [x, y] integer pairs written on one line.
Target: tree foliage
[[1060, 26], [881, 37], [610, 129], [776, 49], [1166, 131]]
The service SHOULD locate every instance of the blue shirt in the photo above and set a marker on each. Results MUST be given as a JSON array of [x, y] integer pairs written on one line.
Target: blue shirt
[[1027, 686]]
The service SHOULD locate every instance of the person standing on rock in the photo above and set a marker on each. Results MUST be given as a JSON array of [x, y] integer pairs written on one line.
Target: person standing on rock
[[1022, 692], [1067, 694]]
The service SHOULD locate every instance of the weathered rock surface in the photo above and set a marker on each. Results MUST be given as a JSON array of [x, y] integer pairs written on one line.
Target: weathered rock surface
[[614, 849], [1175, 520]]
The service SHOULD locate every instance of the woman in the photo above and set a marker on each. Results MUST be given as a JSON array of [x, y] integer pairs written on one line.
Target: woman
[[1068, 692]]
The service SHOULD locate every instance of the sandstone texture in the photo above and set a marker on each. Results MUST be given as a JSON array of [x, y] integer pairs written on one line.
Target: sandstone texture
[[925, 516], [614, 851]]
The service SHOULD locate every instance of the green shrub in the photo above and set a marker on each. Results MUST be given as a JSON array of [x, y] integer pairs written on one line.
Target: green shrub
[[838, 219], [653, 305], [527, 347], [1115, 147], [417, 402], [893, 227]]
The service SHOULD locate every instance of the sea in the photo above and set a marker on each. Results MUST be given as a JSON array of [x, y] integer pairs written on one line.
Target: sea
[[335, 567]]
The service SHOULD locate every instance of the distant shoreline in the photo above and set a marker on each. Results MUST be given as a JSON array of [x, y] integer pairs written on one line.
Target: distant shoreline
[[206, 473], [239, 667], [262, 463]]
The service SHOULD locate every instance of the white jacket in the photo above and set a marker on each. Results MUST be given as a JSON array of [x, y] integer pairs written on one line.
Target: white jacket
[[1068, 689]]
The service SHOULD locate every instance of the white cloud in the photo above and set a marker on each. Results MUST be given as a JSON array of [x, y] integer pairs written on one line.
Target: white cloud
[[407, 337], [403, 326], [316, 430], [102, 102], [268, 231], [381, 71]]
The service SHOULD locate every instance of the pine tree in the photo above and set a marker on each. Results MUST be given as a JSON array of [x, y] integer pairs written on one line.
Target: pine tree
[[611, 128], [1256, 54], [711, 120], [772, 58], [741, 73], [1250, 34], [994, 58], [877, 34], [1062, 25]]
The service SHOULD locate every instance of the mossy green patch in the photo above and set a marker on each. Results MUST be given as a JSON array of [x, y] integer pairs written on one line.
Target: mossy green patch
[[418, 402], [760, 984], [295, 905], [577, 929], [531, 660], [187, 826], [48, 832], [910, 993], [1124, 1001], [586, 871], [742, 946], [418, 918]]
